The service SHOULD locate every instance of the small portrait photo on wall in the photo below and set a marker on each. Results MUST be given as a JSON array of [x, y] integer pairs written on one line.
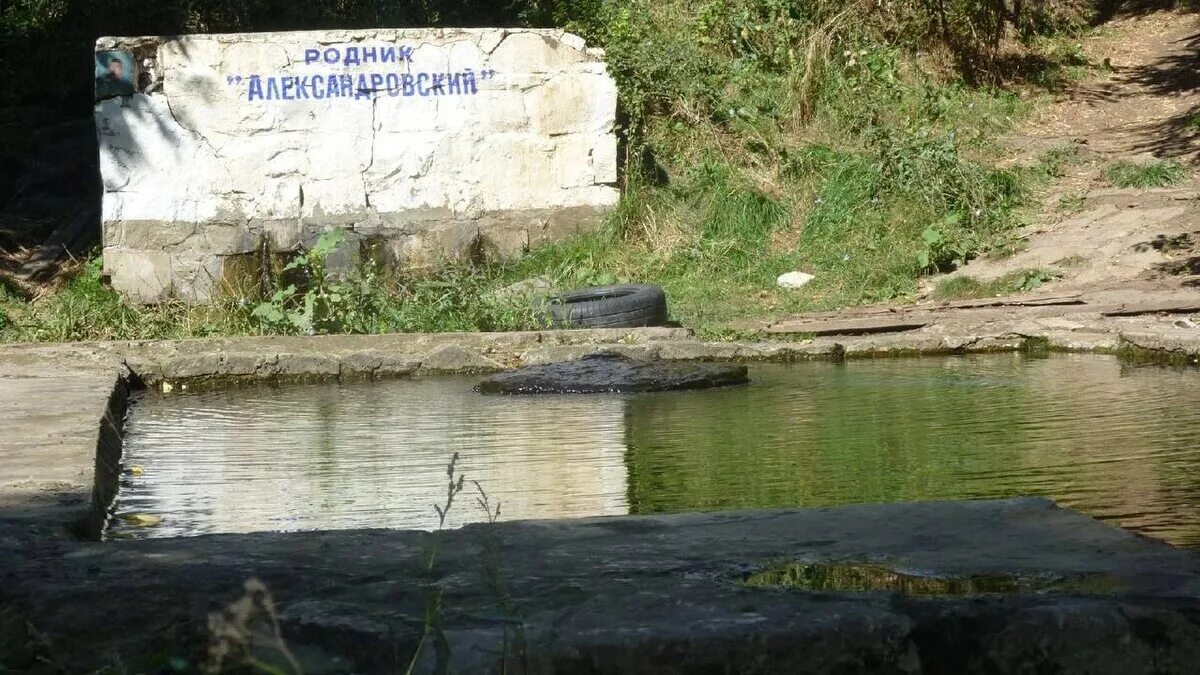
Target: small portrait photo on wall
[[114, 74]]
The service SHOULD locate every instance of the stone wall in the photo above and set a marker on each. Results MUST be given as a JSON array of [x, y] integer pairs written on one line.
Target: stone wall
[[423, 144]]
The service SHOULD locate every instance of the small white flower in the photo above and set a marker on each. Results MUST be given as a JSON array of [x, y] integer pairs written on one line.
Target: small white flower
[[846, 258]]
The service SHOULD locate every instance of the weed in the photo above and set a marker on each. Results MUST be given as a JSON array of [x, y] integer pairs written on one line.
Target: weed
[[238, 634], [1030, 280], [432, 627], [969, 288], [1161, 173], [1071, 261], [964, 288], [1071, 202], [499, 587], [1060, 60], [1053, 162], [325, 305]]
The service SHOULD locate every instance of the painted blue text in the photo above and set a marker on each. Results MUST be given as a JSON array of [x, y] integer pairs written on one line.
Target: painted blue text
[[357, 55], [364, 85]]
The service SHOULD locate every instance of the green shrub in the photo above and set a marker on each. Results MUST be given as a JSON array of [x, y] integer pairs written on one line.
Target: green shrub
[[325, 305]]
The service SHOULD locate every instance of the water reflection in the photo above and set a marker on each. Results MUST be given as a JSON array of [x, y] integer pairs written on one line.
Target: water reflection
[[1118, 442], [369, 455]]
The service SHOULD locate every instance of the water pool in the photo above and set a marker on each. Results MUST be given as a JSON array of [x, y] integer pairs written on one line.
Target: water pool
[[1117, 441]]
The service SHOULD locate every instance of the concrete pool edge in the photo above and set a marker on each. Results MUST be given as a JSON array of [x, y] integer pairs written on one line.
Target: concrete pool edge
[[60, 461]]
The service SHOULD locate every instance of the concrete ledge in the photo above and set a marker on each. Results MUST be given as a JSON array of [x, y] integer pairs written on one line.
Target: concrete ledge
[[60, 449], [648, 594]]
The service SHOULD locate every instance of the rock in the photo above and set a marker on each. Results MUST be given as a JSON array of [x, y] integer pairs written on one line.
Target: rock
[[610, 373], [794, 279], [562, 353], [452, 358]]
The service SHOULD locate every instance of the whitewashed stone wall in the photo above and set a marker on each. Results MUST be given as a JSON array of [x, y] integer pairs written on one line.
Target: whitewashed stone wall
[[423, 144]]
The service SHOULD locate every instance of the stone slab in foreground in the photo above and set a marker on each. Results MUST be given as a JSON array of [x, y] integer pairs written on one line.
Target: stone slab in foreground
[[649, 594], [423, 143]]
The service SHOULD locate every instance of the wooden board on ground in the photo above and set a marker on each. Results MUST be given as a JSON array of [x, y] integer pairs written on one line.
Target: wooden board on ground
[[850, 326]]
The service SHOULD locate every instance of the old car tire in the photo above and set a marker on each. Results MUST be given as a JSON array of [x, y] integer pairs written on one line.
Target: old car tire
[[619, 306]]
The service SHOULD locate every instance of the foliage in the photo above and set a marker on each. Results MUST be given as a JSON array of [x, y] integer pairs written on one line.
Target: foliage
[[454, 297], [1161, 173], [325, 305], [1030, 280]]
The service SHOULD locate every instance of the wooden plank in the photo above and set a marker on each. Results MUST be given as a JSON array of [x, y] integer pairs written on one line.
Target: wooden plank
[[1176, 306], [848, 326], [1026, 301]]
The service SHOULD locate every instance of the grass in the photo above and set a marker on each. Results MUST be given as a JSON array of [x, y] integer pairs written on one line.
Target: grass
[[83, 307], [1071, 261], [766, 140], [1071, 202], [1161, 173], [1063, 60], [970, 288], [1053, 162]]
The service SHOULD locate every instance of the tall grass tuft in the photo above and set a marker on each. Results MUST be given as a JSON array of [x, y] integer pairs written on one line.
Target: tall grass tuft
[[1161, 173]]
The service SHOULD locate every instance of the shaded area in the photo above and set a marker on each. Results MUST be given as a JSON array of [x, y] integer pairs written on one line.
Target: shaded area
[[1176, 74], [655, 594], [1106, 10]]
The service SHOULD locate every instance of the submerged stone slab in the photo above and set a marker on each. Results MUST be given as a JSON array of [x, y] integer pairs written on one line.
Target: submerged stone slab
[[607, 372], [641, 594], [425, 143]]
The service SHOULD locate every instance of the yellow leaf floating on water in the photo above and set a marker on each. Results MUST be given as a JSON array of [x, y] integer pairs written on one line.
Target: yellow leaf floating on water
[[141, 519], [136, 470]]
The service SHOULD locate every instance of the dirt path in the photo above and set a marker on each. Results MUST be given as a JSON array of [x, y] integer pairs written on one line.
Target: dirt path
[[1146, 109]]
